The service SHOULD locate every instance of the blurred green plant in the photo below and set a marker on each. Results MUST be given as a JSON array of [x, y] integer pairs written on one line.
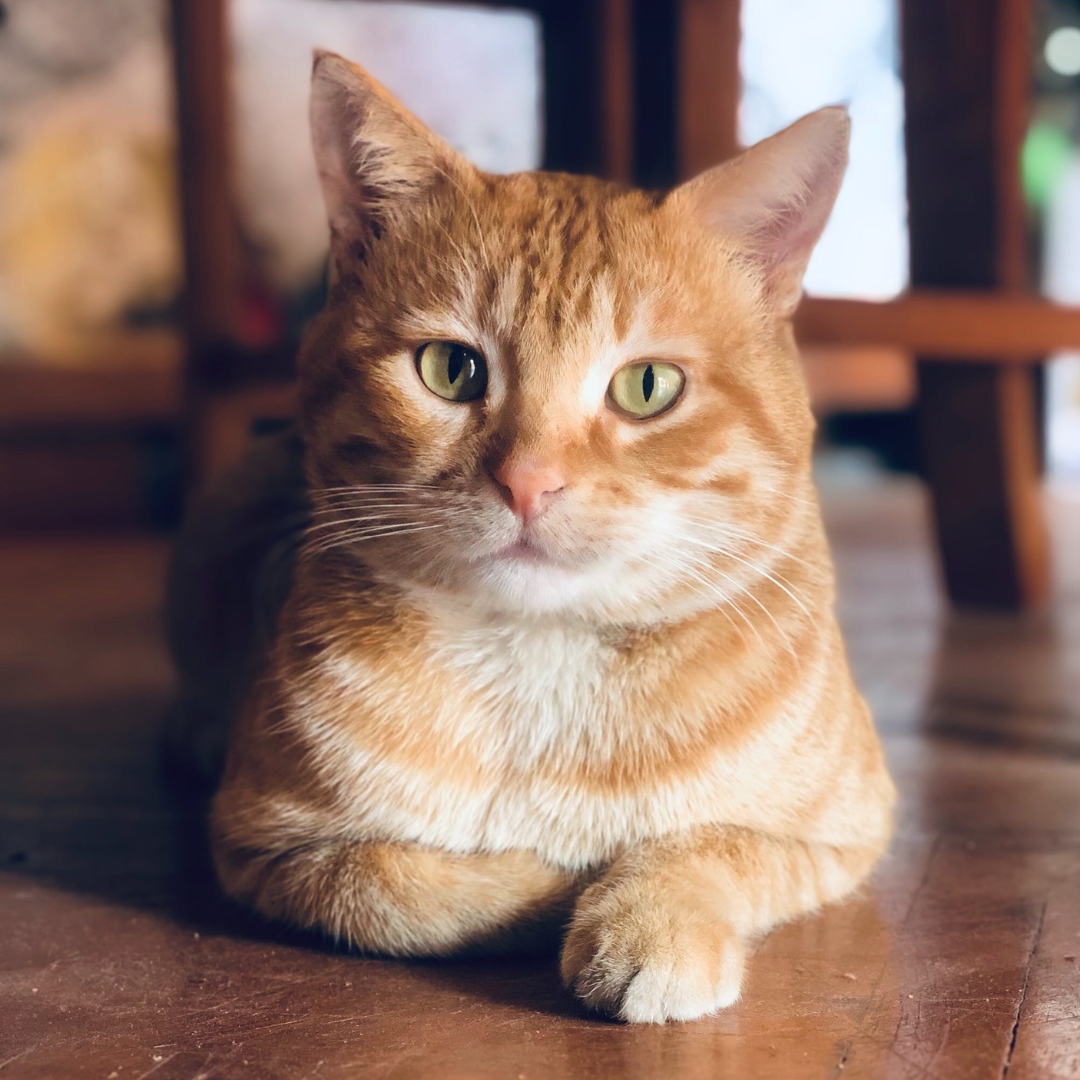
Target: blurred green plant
[[1044, 158]]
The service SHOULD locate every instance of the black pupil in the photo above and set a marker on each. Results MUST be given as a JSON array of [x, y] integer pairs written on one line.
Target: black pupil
[[648, 382], [455, 364]]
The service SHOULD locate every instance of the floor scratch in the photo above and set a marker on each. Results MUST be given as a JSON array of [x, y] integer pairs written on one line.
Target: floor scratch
[[4, 1064], [841, 1064], [154, 1068], [1023, 991]]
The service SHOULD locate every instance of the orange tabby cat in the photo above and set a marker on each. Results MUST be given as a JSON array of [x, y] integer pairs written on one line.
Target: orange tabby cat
[[558, 651]]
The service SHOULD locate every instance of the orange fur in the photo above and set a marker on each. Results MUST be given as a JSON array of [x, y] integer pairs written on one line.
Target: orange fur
[[648, 728]]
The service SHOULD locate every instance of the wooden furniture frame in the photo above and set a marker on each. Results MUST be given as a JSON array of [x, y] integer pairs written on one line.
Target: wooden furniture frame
[[647, 91]]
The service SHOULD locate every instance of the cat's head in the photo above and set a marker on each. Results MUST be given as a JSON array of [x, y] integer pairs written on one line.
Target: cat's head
[[548, 393]]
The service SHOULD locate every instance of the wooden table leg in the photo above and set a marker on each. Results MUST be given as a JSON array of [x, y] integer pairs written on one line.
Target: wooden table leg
[[966, 95]]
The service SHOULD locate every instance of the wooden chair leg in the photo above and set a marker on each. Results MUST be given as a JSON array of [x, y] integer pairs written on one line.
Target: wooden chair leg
[[966, 92], [980, 453], [709, 84], [211, 238]]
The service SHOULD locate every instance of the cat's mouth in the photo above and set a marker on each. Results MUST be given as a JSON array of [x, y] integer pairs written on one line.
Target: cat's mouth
[[523, 550]]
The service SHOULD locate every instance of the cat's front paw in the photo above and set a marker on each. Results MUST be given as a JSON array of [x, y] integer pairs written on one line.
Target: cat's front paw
[[645, 958]]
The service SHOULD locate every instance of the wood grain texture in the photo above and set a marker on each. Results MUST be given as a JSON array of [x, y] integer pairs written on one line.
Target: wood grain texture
[[960, 960]]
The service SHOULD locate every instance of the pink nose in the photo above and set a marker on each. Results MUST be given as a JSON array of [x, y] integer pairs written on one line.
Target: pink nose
[[527, 488]]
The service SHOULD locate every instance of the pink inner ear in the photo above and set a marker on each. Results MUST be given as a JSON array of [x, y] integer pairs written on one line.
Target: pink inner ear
[[775, 199], [791, 229]]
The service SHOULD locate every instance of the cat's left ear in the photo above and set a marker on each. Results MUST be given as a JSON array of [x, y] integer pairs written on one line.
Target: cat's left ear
[[773, 200]]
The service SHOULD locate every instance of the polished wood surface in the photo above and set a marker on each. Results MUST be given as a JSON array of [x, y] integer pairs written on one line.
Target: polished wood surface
[[961, 960]]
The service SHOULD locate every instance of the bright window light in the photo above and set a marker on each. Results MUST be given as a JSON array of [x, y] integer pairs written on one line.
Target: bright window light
[[1062, 51], [799, 56]]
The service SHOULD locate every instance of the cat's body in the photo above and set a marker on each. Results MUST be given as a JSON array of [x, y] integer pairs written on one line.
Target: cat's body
[[542, 660]]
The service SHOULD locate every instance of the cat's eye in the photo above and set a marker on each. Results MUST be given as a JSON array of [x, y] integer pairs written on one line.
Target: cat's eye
[[646, 389], [452, 371]]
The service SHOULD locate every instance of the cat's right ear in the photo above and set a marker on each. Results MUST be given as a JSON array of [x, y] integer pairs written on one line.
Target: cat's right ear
[[375, 159]]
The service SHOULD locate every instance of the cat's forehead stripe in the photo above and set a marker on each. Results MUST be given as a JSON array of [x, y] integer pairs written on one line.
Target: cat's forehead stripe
[[557, 250]]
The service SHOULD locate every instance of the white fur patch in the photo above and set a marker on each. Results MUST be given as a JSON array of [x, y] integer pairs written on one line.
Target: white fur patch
[[535, 703]]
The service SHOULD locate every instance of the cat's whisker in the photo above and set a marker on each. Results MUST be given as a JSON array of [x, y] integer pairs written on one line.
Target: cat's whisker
[[380, 525], [777, 579], [680, 568], [801, 499], [358, 536], [367, 496], [727, 599], [735, 533], [764, 574], [376, 495], [746, 591], [445, 501], [372, 484], [391, 516], [331, 545], [398, 498], [768, 573], [406, 501], [385, 509], [781, 582], [341, 523], [387, 514], [374, 487]]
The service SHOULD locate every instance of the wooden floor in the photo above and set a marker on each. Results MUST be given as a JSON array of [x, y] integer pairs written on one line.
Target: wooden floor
[[962, 959]]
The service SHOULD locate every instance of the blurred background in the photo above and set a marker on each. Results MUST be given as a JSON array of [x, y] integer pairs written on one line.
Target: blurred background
[[162, 237]]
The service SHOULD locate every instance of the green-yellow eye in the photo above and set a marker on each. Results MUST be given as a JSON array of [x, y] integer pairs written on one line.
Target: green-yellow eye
[[452, 371], [646, 389]]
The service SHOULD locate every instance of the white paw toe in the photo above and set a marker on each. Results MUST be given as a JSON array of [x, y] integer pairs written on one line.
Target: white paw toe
[[650, 979]]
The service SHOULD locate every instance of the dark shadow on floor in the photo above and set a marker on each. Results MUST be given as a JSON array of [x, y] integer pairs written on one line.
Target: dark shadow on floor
[[90, 806]]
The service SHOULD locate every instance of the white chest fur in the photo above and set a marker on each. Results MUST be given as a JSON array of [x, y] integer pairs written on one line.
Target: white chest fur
[[536, 704], [544, 685]]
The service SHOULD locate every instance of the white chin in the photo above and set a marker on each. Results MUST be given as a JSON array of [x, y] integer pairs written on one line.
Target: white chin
[[536, 587]]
